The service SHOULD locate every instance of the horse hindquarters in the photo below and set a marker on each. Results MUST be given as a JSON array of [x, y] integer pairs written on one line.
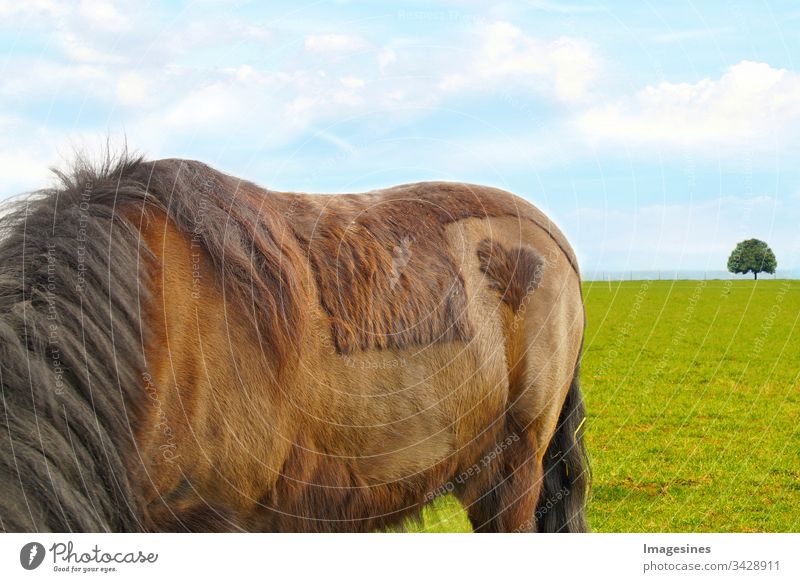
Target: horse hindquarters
[[527, 493], [534, 472]]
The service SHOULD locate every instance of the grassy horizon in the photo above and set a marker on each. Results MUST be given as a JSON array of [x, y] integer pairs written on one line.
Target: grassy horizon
[[693, 408]]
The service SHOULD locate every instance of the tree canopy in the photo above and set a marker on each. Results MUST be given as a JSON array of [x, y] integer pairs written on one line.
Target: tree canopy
[[752, 256]]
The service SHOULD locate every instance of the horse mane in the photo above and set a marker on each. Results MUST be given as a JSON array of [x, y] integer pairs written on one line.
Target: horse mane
[[72, 337]]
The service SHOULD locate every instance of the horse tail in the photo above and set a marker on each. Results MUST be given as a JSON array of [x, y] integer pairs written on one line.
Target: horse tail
[[71, 355], [562, 503]]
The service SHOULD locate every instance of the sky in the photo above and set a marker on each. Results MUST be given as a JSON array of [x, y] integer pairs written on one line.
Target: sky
[[656, 135]]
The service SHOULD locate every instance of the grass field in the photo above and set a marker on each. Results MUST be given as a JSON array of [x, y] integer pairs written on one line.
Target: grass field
[[693, 406]]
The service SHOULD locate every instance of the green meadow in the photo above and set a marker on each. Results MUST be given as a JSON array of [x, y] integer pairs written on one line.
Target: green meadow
[[693, 408]]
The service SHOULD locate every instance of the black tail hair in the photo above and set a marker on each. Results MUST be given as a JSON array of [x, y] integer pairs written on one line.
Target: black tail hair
[[71, 354], [562, 504]]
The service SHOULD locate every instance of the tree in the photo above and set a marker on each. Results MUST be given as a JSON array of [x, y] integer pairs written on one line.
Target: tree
[[752, 256]]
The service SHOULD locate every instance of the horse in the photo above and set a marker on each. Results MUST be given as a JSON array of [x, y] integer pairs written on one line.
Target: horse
[[183, 350]]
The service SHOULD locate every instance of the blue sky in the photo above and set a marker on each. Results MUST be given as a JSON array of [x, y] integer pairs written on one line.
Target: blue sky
[[656, 137]]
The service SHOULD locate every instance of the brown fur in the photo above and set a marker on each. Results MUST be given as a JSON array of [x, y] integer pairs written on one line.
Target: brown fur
[[383, 271], [403, 378], [515, 272], [245, 240], [308, 362], [384, 275]]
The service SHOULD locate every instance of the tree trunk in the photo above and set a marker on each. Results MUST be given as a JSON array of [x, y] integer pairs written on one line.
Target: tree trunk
[[755, 276]]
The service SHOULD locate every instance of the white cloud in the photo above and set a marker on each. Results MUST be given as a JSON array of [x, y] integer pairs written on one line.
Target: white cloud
[[133, 89], [79, 50], [386, 57], [32, 8], [752, 104], [199, 32], [26, 79], [23, 170], [103, 14], [29, 149], [210, 106], [565, 67], [325, 43], [68, 24], [352, 82], [246, 105]]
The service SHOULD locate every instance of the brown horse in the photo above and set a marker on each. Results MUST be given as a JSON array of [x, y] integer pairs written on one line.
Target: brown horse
[[184, 350]]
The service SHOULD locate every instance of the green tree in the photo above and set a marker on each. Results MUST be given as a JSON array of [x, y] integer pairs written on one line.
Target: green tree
[[752, 256]]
